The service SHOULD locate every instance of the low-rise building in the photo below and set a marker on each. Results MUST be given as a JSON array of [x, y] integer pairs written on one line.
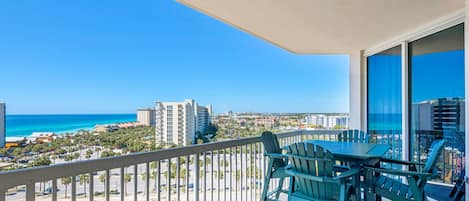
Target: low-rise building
[[146, 116], [106, 128], [43, 137]]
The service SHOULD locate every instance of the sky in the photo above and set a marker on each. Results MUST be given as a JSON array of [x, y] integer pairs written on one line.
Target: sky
[[79, 57]]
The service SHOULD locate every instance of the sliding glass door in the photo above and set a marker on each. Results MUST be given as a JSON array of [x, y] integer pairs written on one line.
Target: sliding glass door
[[436, 73], [385, 98]]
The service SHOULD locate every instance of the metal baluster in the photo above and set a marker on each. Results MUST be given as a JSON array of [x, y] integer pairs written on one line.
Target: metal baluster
[[107, 185], [231, 174], [211, 186], [263, 163], [122, 180], [136, 182], [246, 167], [196, 182], [91, 187], [178, 178], [250, 169], [168, 179], [54, 190], [147, 182], [224, 174], [259, 159], [30, 191], [205, 175], [254, 162], [218, 174], [158, 181], [241, 172], [74, 188], [236, 173], [187, 177]]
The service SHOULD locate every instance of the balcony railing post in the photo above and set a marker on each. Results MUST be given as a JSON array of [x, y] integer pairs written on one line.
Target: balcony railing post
[[136, 182], [91, 187], [196, 181], [74, 187], [147, 182], [30, 191], [178, 178], [54, 190], [108, 185], [158, 181], [168, 179], [2, 194], [122, 182]]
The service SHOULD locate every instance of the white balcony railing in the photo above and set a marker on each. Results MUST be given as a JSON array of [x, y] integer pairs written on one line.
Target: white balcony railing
[[226, 170]]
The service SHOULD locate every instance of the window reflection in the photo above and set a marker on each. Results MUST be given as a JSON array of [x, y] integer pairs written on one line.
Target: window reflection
[[384, 98], [437, 93]]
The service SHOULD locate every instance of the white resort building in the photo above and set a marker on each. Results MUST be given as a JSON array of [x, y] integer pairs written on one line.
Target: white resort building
[[178, 122]]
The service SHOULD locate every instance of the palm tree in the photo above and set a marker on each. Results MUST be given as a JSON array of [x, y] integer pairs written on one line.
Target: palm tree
[[127, 179], [84, 179], [66, 181]]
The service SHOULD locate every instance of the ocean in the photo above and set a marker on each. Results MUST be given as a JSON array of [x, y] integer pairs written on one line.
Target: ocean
[[25, 125]]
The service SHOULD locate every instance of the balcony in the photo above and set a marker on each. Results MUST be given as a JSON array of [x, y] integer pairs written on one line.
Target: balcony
[[227, 170]]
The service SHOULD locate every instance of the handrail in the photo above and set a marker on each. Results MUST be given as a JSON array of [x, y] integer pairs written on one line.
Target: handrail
[[37, 174]]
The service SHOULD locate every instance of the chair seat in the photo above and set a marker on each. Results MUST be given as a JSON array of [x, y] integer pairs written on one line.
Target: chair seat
[[393, 189]]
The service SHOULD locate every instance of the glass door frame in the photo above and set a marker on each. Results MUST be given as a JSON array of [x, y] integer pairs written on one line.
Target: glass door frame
[[404, 40]]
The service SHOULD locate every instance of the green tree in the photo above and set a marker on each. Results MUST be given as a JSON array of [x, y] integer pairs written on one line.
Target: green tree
[[66, 181], [84, 179], [127, 179]]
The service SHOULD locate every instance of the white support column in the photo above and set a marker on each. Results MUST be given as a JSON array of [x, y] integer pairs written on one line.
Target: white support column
[[466, 75], [357, 91], [405, 101]]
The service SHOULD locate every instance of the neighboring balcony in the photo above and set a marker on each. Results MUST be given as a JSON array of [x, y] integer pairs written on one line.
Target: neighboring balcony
[[226, 170]]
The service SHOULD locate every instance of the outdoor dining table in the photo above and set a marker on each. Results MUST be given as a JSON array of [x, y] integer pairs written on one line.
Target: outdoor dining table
[[356, 154]]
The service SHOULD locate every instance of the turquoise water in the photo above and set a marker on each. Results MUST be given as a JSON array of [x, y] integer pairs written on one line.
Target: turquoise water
[[24, 125]]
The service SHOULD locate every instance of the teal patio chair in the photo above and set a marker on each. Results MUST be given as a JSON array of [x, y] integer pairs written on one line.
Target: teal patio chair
[[353, 136], [393, 189], [276, 165], [313, 177]]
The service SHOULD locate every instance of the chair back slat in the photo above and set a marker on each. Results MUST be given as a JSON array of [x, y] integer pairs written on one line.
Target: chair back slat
[[353, 136], [436, 150], [319, 164], [272, 145]]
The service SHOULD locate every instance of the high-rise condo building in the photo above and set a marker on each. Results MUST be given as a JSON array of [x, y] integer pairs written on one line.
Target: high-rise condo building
[[2, 124], [178, 122], [443, 114], [146, 116]]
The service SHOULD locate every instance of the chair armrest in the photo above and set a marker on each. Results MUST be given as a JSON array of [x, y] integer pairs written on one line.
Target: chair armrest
[[401, 162], [289, 171], [340, 168], [275, 155], [399, 172], [347, 174]]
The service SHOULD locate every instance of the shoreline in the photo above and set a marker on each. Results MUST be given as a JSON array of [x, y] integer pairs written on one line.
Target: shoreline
[[65, 132], [23, 126]]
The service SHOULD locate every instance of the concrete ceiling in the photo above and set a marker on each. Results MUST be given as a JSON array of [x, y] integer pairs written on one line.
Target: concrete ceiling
[[326, 26]]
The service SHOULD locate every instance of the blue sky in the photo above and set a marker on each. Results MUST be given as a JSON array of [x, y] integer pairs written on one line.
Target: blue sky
[[116, 56]]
